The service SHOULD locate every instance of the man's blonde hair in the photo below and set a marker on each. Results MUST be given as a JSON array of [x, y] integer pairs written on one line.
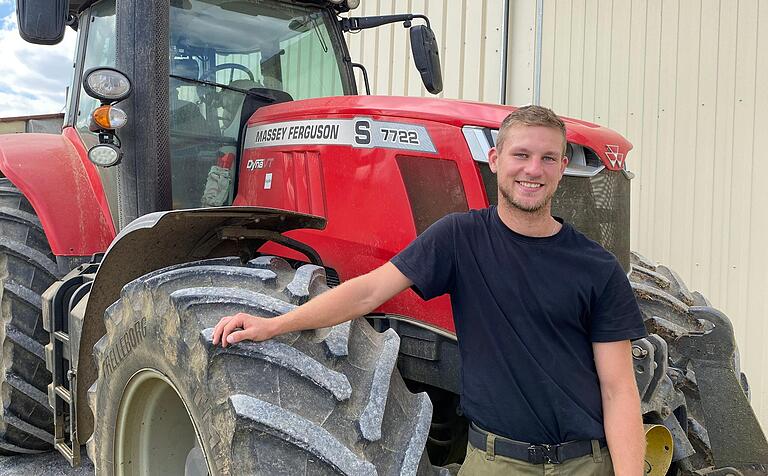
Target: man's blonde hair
[[531, 116]]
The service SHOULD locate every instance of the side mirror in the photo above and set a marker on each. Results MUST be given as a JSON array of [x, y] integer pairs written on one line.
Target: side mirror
[[427, 58], [42, 21]]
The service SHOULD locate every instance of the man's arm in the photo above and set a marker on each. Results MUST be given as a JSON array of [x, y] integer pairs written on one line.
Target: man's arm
[[621, 407], [352, 299]]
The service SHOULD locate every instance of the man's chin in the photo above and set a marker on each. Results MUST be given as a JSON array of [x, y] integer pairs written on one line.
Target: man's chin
[[532, 208]]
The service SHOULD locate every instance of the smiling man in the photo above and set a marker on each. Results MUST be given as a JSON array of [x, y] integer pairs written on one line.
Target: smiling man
[[543, 318]]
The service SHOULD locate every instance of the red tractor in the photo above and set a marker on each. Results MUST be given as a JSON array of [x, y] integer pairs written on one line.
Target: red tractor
[[216, 157]]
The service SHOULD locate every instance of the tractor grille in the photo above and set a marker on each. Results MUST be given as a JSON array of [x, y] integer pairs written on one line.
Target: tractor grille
[[599, 208]]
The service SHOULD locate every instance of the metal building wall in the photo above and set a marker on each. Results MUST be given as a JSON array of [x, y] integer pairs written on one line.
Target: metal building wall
[[685, 81], [470, 36], [45, 123]]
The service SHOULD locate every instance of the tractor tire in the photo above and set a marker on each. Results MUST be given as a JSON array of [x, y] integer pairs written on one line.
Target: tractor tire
[[27, 268], [681, 325], [316, 402]]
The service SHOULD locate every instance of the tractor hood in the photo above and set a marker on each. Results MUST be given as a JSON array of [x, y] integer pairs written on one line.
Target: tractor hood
[[609, 145]]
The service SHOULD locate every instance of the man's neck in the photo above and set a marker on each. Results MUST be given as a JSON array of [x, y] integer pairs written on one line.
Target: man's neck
[[534, 224]]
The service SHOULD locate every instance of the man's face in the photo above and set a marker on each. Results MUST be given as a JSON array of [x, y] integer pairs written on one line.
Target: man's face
[[529, 166]]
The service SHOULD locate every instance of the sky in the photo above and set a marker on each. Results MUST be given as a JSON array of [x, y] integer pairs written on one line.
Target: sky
[[33, 78]]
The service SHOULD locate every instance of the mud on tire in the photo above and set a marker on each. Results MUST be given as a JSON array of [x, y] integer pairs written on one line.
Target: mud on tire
[[319, 402], [27, 268]]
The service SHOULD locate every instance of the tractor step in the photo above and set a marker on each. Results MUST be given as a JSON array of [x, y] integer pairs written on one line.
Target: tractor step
[[60, 360]]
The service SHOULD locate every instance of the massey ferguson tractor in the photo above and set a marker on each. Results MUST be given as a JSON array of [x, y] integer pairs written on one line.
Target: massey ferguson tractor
[[216, 157]]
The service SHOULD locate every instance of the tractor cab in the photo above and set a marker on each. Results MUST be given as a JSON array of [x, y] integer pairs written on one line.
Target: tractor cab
[[217, 53]]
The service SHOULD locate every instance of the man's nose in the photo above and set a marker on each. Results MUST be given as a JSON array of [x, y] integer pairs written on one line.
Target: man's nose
[[534, 166]]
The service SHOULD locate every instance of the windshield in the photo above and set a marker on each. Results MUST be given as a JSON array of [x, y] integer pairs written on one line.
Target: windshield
[[284, 51]]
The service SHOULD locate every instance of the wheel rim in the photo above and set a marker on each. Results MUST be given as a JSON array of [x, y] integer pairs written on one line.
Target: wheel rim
[[154, 433]]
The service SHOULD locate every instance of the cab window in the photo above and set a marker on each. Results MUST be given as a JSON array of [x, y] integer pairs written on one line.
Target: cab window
[[219, 50]]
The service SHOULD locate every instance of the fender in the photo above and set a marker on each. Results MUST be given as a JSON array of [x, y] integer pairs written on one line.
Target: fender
[[164, 239], [64, 188]]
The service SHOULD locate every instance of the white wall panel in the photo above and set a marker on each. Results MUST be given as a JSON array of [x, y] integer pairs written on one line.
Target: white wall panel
[[684, 81], [470, 36], [520, 47]]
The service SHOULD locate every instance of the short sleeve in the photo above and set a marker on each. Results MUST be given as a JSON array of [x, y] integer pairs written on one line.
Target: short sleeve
[[616, 315], [429, 260]]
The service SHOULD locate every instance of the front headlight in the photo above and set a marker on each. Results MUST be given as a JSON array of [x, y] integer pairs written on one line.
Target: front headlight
[[108, 85], [582, 162]]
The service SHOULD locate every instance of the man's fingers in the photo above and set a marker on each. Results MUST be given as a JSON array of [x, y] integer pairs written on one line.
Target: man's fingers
[[217, 331], [232, 329], [236, 337], [236, 322], [219, 327]]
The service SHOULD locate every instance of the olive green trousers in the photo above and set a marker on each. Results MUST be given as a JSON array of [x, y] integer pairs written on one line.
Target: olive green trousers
[[479, 463]]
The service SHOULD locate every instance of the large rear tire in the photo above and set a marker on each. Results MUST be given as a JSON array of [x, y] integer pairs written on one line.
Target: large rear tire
[[697, 382], [27, 268], [326, 402]]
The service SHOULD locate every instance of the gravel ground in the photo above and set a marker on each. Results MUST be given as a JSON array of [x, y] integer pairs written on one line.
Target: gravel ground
[[45, 464]]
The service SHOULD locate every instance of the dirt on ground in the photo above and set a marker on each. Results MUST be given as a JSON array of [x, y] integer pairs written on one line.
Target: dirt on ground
[[44, 464]]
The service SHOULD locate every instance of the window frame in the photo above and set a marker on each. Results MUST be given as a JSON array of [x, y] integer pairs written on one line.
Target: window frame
[[75, 87], [82, 46]]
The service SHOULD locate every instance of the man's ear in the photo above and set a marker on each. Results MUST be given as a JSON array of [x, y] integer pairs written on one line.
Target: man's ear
[[563, 165], [493, 158]]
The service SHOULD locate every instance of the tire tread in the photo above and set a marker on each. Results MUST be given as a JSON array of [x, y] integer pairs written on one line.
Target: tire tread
[[29, 269]]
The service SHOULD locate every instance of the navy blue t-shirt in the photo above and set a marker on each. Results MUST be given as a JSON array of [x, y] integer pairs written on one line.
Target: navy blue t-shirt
[[527, 311]]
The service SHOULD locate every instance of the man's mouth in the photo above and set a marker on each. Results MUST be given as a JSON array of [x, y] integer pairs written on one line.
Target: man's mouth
[[529, 184]]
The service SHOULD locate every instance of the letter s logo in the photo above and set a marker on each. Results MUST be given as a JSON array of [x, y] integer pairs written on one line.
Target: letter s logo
[[363, 132]]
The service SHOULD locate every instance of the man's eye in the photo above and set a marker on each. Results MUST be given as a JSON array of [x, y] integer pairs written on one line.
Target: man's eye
[[520, 155], [549, 159]]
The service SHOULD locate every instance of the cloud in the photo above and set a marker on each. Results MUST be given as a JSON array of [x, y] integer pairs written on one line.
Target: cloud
[[33, 78]]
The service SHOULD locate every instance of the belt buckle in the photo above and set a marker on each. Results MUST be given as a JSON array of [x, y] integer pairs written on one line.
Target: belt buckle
[[540, 454]]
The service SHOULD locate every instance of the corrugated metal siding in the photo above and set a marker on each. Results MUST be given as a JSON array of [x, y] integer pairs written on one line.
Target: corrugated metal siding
[[685, 82], [470, 37]]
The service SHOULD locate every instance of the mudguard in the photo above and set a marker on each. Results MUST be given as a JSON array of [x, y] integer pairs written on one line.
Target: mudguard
[[161, 239], [63, 187]]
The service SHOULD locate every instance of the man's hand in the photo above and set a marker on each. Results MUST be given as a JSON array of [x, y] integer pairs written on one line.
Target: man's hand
[[350, 300], [251, 328]]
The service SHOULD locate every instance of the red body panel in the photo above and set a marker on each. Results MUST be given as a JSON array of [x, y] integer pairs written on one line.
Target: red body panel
[[362, 195], [64, 188], [361, 191]]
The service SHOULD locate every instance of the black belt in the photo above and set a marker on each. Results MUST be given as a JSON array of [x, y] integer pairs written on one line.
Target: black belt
[[535, 454]]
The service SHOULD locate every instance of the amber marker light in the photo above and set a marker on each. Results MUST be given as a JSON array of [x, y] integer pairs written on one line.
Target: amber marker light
[[109, 117]]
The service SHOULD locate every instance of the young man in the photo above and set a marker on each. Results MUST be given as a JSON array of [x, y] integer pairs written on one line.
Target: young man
[[543, 318]]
